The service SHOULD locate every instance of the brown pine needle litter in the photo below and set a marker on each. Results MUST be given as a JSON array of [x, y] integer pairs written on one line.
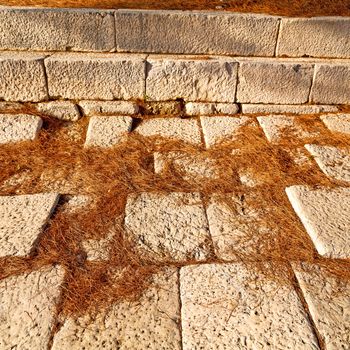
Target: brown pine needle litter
[[108, 176]]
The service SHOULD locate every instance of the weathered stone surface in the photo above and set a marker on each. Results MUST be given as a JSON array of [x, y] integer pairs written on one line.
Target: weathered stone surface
[[149, 323], [107, 131], [56, 29], [331, 84], [92, 108], [97, 249], [27, 307], [162, 107], [96, 76], [6, 107], [19, 127], [170, 227], [334, 162], [22, 77], [64, 110], [186, 130], [274, 81], [218, 129], [22, 219], [192, 79], [325, 214], [200, 108], [226, 306], [196, 32], [337, 122], [75, 203], [315, 37], [280, 109]]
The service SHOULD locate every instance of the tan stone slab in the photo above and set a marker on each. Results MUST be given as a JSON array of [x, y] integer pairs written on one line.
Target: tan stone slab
[[64, 110], [228, 306], [280, 109], [325, 214], [149, 323], [328, 300], [27, 307], [107, 131], [92, 108], [22, 77], [200, 108], [192, 79], [22, 219], [19, 127], [170, 227], [337, 122], [162, 107]]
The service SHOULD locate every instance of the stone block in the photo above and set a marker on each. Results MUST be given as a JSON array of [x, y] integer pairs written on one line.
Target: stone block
[[337, 122], [162, 107], [93, 108], [64, 110], [200, 108], [292, 109]]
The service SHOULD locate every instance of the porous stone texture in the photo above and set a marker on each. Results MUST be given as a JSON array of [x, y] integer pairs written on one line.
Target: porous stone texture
[[22, 219], [328, 301], [22, 77], [96, 76], [107, 131], [56, 29], [331, 84], [75, 203], [19, 127], [169, 227], [92, 108], [196, 32], [163, 107], [325, 214], [200, 108], [97, 249], [274, 81], [219, 129], [27, 307], [226, 306], [186, 130], [337, 122], [6, 107], [64, 110], [333, 161], [314, 37], [293, 109], [192, 79], [149, 323]]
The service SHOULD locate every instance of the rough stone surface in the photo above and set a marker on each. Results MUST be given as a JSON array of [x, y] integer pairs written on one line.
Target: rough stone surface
[[280, 109], [56, 29], [163, 107], [328, 301], [192, 79], [331, 84], [314, 37], [64, 110], [107, 131], [325, 214], [22, 219], [6, 107], [186, 130], [22, 77], [19, 127], [27, 306], [96, 76], [198, 108], [97, 250], [92, 108], [269, 81], [227, 306], [334, 162], [170, 227], [337, 122], [149, 323], [196, 32]]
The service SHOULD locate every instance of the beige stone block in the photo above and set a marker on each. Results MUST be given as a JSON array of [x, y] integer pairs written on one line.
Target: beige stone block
[[337, 122], [64, 110], [162, 107], [325, 214], [93, 108], [200, 108], [281, 109]]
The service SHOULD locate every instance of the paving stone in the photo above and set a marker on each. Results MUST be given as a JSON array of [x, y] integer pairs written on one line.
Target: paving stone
[[196, 32], [271, 81], [162, 107], [280, 109], [192, 79], [169, 227], [331, 83], [218, 129], [315, 37], [226, 306], [328, 301], [19, 127], [149, 323], [334, 162], [198, 108], [75, 203], [325, 214], [96, 76], [22, 77], [27, 307], [186, 130], [64, 110], [22, 220], [107, 131], [92, 108], [337, 122]]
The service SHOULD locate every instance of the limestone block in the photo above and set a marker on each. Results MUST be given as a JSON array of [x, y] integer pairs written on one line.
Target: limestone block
[[64, 110], [92, 108], [337, 122], [199, 108], [162, 107], [281, 109]]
